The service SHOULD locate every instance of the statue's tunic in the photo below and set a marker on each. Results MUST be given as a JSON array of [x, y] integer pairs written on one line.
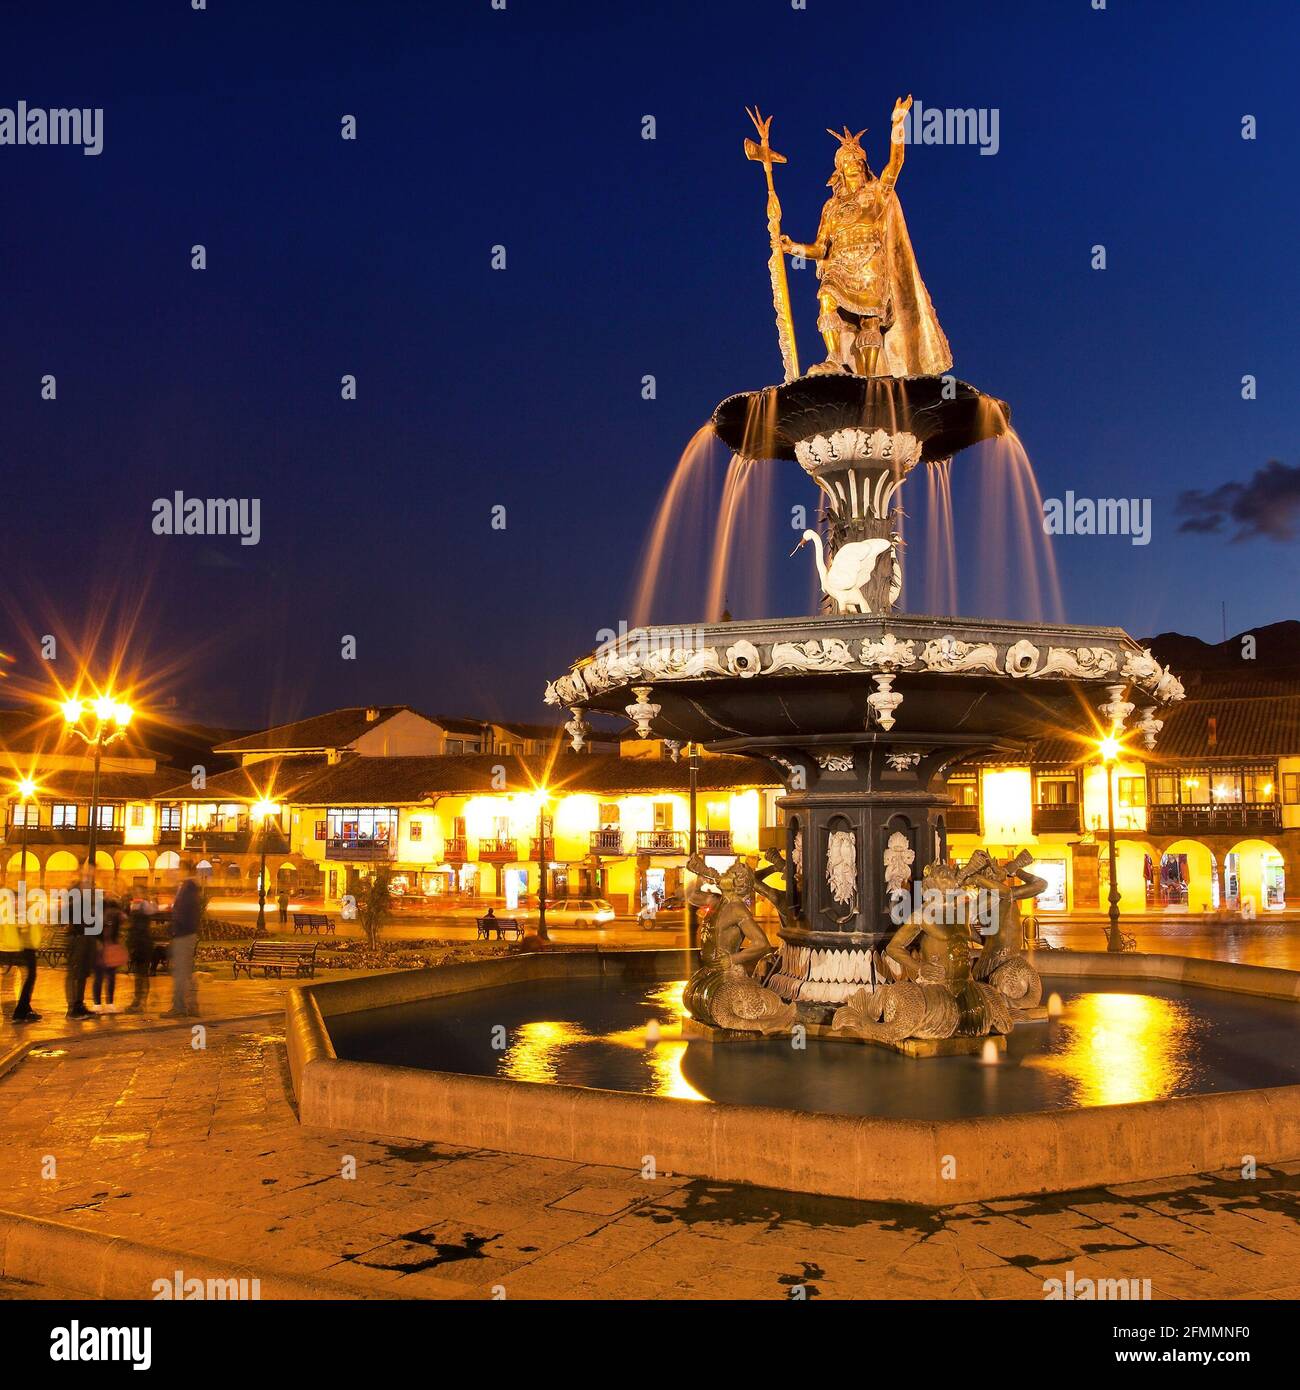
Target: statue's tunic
[[855, 269], [870, 270]]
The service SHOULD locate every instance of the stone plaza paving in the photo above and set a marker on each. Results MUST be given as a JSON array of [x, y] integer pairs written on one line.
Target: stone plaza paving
[[199, 1152]]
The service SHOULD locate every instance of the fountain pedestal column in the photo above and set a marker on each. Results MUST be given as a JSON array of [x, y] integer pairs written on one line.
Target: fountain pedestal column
[[863, 815]]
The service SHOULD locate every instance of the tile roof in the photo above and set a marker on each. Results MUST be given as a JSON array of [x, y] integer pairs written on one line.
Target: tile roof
[[335, 729], [375, 781], [278, 778], [113, 786]]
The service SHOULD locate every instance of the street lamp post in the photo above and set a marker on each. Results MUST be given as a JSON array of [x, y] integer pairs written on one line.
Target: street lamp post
[[693, 912], [263, 811], [111, 718], [541, 869], [1109, 754], [26, 793]]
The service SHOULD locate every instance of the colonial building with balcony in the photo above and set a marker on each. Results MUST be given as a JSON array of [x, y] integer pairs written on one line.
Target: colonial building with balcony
[[33, 745], [1208, 819]]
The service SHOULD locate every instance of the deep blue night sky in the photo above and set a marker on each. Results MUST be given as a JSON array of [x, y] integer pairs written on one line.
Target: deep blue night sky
[[626, 257]]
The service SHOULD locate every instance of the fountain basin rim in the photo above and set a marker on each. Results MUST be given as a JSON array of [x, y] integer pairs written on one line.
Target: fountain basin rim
[[891, 645], [861, 1157], [945, 414]]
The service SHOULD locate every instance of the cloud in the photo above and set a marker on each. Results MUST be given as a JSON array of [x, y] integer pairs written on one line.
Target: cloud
[[1266, 507]]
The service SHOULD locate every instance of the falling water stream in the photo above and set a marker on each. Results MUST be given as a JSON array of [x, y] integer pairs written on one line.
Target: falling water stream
[[718, 530]]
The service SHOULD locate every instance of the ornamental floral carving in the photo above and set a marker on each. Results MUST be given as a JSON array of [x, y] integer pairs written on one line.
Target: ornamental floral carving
[[832, 654], [835, 762], [1022, 658], [948, 654], [1081, 662], [743, 659], [889, 652]]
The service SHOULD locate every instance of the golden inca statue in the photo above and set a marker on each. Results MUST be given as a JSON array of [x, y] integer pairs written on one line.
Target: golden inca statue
[[876, 317]]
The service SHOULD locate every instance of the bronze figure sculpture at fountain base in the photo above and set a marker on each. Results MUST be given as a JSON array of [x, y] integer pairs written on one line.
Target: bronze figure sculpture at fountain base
[[932, 993], [722, 992]]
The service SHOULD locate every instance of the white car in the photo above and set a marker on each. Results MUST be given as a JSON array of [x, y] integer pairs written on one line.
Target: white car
[[577, 912]]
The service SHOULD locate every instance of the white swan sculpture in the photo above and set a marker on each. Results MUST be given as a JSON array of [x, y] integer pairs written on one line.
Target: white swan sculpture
[[851, 568]]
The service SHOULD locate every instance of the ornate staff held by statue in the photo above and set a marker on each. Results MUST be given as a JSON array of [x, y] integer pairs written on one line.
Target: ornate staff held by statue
[[762, 153]]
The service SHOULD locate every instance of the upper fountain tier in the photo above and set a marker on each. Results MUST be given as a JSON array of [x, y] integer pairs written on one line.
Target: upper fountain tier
[[945, 415]]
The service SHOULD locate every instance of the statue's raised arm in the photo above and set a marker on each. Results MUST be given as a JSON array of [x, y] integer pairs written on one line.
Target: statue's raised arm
[[897, 142]]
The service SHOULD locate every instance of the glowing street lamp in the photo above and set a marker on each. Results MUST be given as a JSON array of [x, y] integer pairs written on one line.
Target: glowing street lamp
[[263, 810], [1109, 748], [97, 723], [27, 790], [543, 796]]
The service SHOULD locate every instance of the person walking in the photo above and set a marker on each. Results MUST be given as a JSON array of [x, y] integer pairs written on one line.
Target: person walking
[[282, 900], [139, 952], [110, 957], [187, 907], [83, 935], [18, 947]]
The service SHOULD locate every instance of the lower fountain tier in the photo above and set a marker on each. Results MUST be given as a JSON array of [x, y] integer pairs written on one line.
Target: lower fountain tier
[[723, 683]]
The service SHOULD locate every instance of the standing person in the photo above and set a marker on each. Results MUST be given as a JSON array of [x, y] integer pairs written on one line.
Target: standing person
[[18, 947], [139, 951], [187, 907], [82, 949], [282, 899], [110, 956]]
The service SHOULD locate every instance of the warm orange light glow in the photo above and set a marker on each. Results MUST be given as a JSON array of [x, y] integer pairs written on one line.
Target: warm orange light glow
[[122, 713], [72, 710], [1109, 748], [263, 809], [26, 788]]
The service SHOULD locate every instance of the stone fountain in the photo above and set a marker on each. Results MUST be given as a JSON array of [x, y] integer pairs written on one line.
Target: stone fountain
[[862, 712]]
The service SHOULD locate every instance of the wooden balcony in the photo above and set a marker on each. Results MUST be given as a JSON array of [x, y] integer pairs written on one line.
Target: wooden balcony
[[1057, 817], [1214, 818], [661, 842], [547, 848], [360, 851], [962, 820], [218, 841], [498, 849], [454, 849], [606, 842], [713, 841], [63, 835], [169, 837]]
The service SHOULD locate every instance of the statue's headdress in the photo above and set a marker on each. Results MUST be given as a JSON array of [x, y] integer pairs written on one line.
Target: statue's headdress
[[849, 152]]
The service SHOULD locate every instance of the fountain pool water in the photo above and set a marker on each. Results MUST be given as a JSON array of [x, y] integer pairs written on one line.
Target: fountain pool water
[[1115, 1043]]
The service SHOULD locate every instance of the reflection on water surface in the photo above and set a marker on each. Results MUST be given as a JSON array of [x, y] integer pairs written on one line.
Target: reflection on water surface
[[1111, 1046]]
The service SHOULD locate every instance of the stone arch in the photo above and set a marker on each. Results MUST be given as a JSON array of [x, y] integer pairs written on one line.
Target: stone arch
[[1254, 881], [1133, 855], [1201, 868], [61, 868]]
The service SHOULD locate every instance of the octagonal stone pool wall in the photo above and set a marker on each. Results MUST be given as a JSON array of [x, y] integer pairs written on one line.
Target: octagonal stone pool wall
[[934, 1162]]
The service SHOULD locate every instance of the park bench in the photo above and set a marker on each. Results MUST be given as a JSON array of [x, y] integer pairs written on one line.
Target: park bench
[[500, 925], [313, 922], [54, 951], [277, 956]]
